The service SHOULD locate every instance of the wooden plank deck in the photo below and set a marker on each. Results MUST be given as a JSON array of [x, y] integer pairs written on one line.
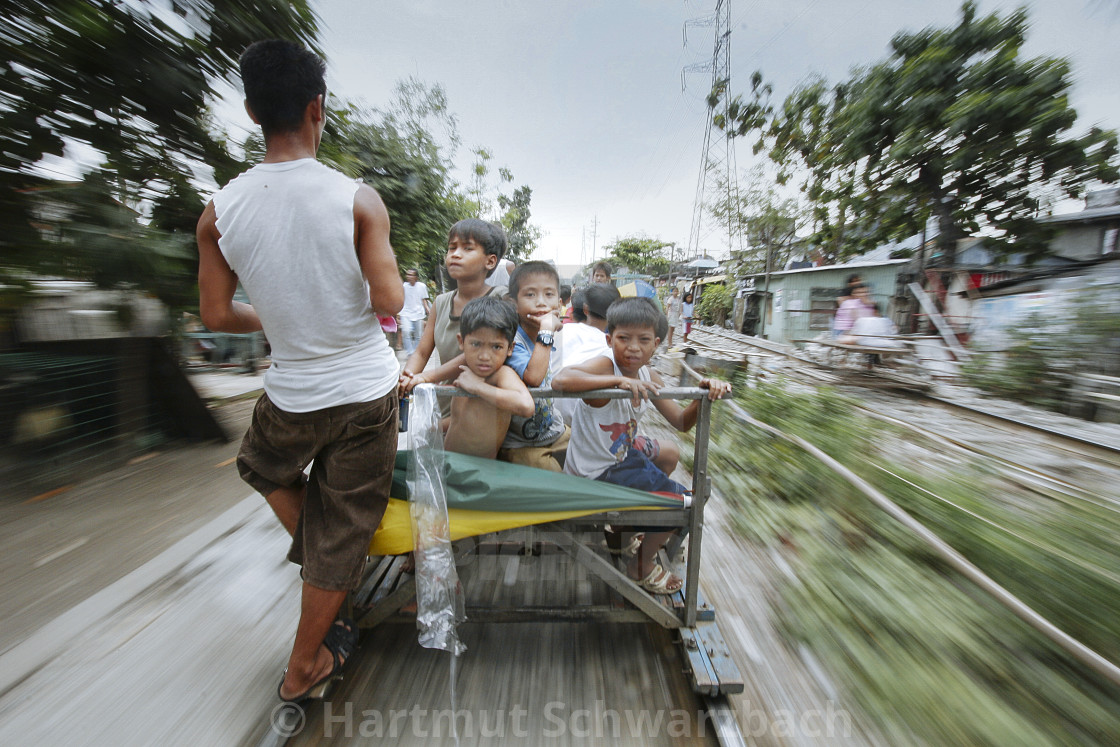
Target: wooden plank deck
[[554, 683]]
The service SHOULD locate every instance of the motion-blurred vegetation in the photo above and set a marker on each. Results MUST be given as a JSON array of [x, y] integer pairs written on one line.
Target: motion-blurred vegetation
[[124, 91], [108, 143], [930, 658], [715, 304]]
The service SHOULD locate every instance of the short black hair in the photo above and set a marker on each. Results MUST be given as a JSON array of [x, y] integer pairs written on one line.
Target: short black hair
[[565, 293], [531, 268], [489, 312], [637, 312], [598, 297], [604, 267], [281, 78], [579, 298], [490, 236]]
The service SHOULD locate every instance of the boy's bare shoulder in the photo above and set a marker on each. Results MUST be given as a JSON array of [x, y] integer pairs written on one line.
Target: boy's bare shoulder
[[506, 378]]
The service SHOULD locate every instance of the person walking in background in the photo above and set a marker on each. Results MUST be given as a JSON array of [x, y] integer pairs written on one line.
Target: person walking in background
[[856, 307], [846, 295], [687, 309], [672, 314], [415, 311], [311, 248], [873, 330]]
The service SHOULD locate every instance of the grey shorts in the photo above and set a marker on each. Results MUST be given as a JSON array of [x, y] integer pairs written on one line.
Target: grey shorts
[[352, 449]]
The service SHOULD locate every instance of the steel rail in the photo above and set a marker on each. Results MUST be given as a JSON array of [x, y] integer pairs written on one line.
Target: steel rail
[[1009, 465], [777, 349], [1020, 609], [1082, 440], [1065, 488]]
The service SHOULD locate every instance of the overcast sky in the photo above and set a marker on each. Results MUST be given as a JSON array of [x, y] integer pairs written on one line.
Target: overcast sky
[[583, 100]]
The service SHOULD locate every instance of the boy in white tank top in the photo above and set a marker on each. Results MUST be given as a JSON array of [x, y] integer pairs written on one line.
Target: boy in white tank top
[[605, 444], [311, 248]]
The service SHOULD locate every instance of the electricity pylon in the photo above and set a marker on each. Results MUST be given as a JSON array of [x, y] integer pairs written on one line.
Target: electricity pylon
[[718, 155]]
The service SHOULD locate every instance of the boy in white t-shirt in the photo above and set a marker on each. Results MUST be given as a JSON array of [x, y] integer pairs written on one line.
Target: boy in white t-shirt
[[605, 443], [586, 337]]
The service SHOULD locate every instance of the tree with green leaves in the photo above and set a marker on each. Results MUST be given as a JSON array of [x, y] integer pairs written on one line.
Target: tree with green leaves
[[511, 210], [955, 125], [132, 83], [767, 220], [523, 235], [397, 152], [715, 303], [640, 254], [478, 188]]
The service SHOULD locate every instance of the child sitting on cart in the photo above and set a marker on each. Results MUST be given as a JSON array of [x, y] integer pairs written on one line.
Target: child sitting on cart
[[478, 425], [540, 439], [605, 444]]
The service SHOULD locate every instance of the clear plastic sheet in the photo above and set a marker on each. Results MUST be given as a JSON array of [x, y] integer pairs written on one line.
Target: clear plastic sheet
[[439, 595]]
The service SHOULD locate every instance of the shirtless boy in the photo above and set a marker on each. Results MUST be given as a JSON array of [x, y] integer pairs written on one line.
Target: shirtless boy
[[478, 424]]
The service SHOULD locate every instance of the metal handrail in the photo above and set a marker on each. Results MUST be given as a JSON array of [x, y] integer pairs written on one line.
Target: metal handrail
[[691, 392]]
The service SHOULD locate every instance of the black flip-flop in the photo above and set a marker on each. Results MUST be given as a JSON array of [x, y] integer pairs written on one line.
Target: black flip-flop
[[341, 640]]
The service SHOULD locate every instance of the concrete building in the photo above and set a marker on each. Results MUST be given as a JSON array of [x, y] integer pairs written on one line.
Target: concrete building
[[1090, 233]]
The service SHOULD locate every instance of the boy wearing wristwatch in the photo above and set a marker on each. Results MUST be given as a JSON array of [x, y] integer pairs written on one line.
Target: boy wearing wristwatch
[[541, 440]]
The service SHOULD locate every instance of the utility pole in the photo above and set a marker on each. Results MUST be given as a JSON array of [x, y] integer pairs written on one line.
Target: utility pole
[[716, 158], [765, 295], [672, 261], [594, 235]]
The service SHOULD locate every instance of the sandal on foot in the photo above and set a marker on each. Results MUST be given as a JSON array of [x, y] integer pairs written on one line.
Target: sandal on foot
[[631, 548], [660, 581], [341, 640], [318, 691]]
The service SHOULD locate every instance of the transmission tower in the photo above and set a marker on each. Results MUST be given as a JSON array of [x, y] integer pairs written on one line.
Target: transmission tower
[[717, 158]]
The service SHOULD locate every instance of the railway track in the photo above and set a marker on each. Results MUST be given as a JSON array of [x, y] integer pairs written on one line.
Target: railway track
[[1041, 457]]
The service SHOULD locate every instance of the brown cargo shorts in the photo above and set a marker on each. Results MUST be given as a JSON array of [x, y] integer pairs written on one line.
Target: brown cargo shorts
[[352, 449]]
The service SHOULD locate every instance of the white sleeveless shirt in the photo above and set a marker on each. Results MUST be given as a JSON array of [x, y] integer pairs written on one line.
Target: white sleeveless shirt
[[601, 436], [287, 230]]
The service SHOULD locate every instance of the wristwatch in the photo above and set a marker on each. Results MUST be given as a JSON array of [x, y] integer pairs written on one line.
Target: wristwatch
[[545, 338]]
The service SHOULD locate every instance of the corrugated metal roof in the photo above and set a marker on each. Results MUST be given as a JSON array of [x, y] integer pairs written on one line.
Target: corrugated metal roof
[[857, 262], [1084, 216]]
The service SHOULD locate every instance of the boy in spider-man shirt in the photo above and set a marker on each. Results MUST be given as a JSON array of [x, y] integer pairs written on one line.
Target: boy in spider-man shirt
[[605, 444]]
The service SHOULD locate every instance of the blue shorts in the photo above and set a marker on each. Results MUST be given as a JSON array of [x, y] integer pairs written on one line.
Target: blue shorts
[[639, 472]]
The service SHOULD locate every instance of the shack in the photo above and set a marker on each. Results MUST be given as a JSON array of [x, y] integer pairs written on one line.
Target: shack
[[800, 304]]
